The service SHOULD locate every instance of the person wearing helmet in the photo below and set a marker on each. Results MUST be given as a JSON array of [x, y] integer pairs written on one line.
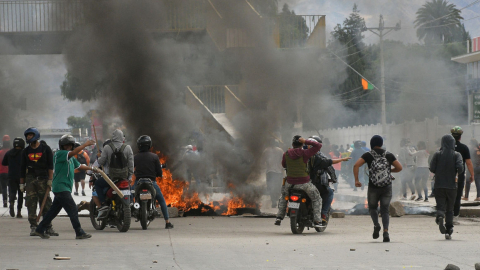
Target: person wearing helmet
[[4, 169], [35, 175], [147, 165], [84, 159], [62, 183], [465, 152], [322, 173], [357, 152], [295, 160], [408, 163], [12, 159]]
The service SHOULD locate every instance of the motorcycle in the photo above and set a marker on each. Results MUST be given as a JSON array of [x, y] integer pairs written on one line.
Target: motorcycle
[[300, 211], [118, 213], [144, 207]]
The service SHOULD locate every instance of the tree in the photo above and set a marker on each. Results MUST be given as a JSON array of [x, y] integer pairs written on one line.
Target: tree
[[78, 122], [438, 22], [73, 89], [293, 28]]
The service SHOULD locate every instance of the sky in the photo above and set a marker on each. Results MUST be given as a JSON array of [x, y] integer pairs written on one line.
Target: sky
[[392, 10]]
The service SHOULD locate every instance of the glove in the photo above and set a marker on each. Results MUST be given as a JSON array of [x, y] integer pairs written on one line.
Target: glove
[[49, 183], [22, 188]]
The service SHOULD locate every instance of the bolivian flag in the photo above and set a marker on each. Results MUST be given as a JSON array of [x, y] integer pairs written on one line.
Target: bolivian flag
[[366, 85]]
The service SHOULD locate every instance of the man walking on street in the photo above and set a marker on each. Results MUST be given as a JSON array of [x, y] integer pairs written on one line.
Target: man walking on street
[[13, 160], [446, 164], [272, 158], [380, 164], [4, 170], [37, 173], [465, 152]]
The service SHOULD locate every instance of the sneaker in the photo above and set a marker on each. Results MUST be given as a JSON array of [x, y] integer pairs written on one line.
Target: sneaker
[[317, 224], [83, 236], [455, 221], [376, 231], [19, 213], [426, 200], [32, 230], [42, 235], [419, 199], [168, 225], [441, 225], [75, 193], [386, 237], [413, 197], [50, 231], [83, 193], [464, 199], [404, 198], [278, 222], [12, 210], [324, 220], [477, 199], [432, 195], [448, 236], [5, 204]]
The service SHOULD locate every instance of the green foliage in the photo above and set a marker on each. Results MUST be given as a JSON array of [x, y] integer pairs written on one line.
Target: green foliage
[[73, 89], [293, 29], [439, 22], [78, 122]]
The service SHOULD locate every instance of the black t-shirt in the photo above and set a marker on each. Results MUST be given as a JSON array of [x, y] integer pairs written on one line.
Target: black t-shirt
[[369, 159], [463, 150], [147, 165], [38, 161]]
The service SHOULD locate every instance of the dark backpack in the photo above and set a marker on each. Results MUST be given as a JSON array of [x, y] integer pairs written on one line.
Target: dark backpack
[[81, 158], [380, 170], [118, 167]]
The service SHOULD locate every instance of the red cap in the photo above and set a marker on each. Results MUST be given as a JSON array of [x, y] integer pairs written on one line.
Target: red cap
[[6, 138]]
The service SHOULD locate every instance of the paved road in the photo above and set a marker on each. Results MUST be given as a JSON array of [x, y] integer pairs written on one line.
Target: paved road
[[241, 243]]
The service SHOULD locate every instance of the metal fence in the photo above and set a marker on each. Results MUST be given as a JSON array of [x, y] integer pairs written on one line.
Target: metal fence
[[212, 96], [294, 30], [186, 15]]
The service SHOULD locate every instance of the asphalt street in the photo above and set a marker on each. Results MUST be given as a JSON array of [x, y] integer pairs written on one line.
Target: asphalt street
[[241, 243]]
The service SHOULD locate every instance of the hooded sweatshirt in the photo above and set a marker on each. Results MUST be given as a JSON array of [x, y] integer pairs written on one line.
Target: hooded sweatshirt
[[117, 140], [296, 153], [446, 164]]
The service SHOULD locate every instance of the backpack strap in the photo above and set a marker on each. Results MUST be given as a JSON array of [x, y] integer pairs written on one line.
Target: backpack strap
[[123, 147]]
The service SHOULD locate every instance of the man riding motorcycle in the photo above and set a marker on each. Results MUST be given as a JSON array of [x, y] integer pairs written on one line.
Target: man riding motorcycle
[[295, 161], [147, 165]]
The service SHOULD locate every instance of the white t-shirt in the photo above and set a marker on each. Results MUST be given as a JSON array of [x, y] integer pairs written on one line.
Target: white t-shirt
[[422, 158], [272, 157]]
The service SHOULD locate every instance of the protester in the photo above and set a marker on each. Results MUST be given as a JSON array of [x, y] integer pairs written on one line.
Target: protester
[[380, 164], [364, 146], [4, 169], [341, 149], [37, 173], [465, 152], [476, 161], [80, 176], [474, 157], [408, 163], [335, 154], [356, 154], [421, 171], [62, 183], [13, 159], [272, 158], [295, 161], [446, 164]]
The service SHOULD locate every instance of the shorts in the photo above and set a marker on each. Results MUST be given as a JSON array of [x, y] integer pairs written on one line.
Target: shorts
[[80, 176]]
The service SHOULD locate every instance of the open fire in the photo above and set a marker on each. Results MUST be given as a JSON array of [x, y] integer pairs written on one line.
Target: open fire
[[175, 193]]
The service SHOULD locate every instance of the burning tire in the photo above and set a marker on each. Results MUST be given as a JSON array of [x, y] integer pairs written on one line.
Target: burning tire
[[97, 224], [296, 225], [124, 217]]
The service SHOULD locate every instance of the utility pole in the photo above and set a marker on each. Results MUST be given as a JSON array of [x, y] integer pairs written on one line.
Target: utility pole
[[382, 31]]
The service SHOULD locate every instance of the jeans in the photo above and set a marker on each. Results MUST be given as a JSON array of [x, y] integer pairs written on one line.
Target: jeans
[[458, 198], [445, 203], [384, 196], [62, 200], [274, 186], [14, 188], [4, 184], [421, 179], [327, 198], [477, 182], [407, 179], [101, 186]]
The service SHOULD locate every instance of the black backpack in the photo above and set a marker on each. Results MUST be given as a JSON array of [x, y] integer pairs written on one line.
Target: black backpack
[[118, 167], [81, 158]]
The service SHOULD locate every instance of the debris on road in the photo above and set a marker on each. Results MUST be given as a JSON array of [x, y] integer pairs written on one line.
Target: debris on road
[[338, 215], [155, 261], [352, 249], [61, 258], [477, 266], [396, 209], [452, 267]]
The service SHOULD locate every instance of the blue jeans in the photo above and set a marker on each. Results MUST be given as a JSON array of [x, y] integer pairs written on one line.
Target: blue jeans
[[62, 200], [159, 198], [101, 186], [327, 198]]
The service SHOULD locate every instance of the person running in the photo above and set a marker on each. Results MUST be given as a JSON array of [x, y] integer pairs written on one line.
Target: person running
[[83, 158], [13, 159], [4, 169], [65, 164], [465, 152], [380, 164], [474, 157], [408, 163], [272, 158], [421, 172], [446, 164]]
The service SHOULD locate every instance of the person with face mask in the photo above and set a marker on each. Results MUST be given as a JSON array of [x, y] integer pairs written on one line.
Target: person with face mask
[[13, 159]]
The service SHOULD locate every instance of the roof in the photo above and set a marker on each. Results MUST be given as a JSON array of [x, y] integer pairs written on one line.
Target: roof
[[467, 58]]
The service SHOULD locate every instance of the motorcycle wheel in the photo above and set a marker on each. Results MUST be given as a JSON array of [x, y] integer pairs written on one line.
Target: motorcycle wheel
[[97, 224], [124, 217], [295, 225], [324, 228], [144, 216]]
